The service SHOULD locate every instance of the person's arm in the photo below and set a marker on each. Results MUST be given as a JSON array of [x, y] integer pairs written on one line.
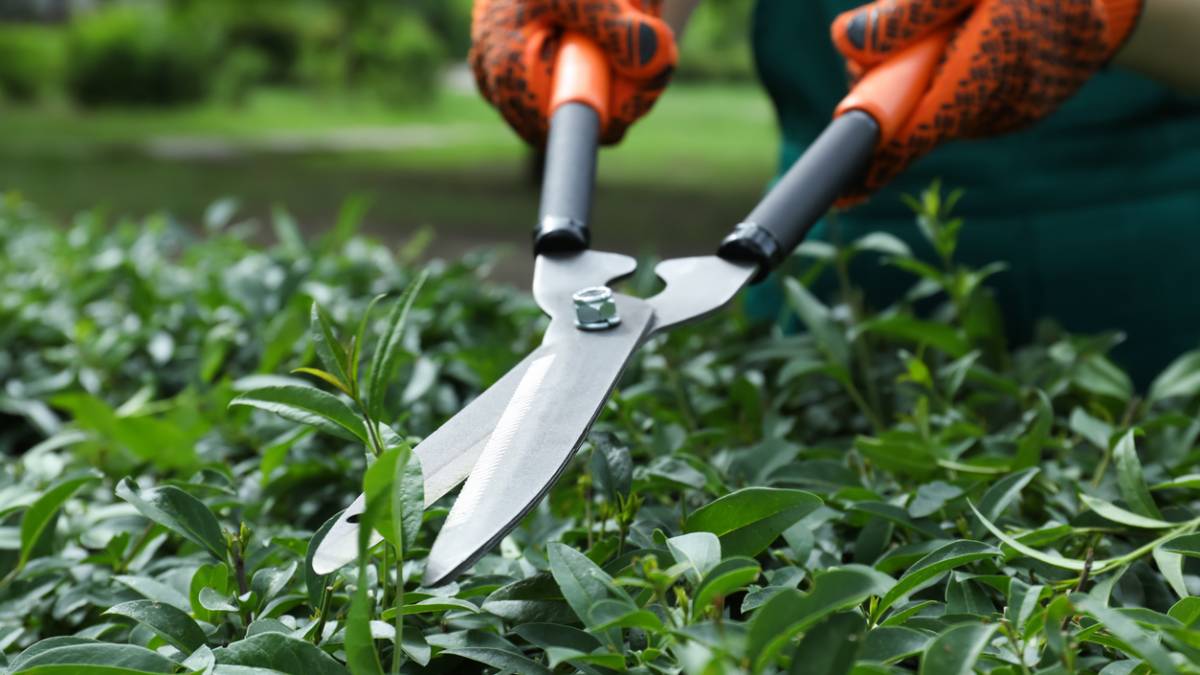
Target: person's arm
[[1161, 46], [677, 12]]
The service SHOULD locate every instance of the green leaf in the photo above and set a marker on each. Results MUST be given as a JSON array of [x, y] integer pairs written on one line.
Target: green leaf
[[1125, 629], [1003, 492], [955, 651], [1098, 375], [501, 659], [830, 647], [583, 583], [1097, 432], [1117, 514], [1186, 611], [388, 350], [268, 581], [1129, 478], [169, 623], [279, 652], [1023, 599], [310, 406], [77, 669], [361, 655], [213, 576], [747, 521], [1187, 544], [331, 352], [329, 378], [536, 599], [699, 551], [153, 589], [394, 482], [728, 576], [565, 644], [313, 582], [889, 644], [179, 512], [819, 321], [906, 328], [612, 470], [1053, 559], [215, 601], [42, 512], [1188, 481], [433, 605], [1037, 434], [77, 652], [1180, 379], [791, 612], [607, 614], [927, 569], [360, 336], [1170, 565], [881, 242]]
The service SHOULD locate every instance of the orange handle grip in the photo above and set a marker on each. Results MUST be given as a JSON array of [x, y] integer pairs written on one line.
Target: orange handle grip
[[889, 92], [581, 75]]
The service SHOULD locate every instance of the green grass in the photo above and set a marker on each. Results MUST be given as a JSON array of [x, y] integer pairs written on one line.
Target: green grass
[[696, 164]]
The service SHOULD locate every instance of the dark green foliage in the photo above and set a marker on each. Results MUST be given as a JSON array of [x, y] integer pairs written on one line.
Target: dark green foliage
[[883, 493], [31, 61], [134, 54]]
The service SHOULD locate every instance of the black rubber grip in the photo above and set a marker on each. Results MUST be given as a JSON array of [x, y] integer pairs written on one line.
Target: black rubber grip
[[783, 218], [569, 178]]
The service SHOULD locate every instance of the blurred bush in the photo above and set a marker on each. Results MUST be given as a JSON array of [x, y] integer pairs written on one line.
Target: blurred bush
[[170, 52], [140, 54], [398, 60], [32, 58], [716, 44]]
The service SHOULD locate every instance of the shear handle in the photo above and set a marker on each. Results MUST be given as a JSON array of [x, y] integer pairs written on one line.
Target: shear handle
[[578, 108], [871, 114]]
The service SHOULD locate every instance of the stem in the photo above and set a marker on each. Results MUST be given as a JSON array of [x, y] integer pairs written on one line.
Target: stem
[[1011, 633], [1112, 563], [863, 406], [383, 570], [862, 354], [685, 403], [239, 568], [326, 599], [1126, 419], [397, 652], [586, 495], [372, 433], [133, 551]]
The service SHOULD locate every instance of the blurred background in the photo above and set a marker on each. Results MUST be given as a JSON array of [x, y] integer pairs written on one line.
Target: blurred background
[[138, 106]]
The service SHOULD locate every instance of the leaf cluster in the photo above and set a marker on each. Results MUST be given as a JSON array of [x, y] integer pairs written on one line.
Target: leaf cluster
[[889, 490]]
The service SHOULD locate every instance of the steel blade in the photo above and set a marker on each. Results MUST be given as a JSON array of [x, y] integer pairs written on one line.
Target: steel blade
[[446, 457], [696, 287], [449, 453], [552, 408]]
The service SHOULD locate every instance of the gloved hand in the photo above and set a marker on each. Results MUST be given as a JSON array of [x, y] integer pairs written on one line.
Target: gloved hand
[[1008, 64], [514, 43]]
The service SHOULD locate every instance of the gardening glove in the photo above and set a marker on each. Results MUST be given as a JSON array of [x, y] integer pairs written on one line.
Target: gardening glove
[[514, 43], [1008, 64]]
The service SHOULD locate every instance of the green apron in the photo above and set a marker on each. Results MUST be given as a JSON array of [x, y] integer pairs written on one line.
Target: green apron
[[1096, 209]]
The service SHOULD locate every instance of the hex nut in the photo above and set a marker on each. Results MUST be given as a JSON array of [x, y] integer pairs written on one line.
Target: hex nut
[[595, 308]]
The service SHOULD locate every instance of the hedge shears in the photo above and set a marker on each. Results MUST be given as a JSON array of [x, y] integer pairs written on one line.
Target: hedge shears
[[513, 441]]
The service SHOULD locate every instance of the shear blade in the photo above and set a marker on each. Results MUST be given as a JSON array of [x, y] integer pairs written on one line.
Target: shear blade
[[446, 457], [560, 394]]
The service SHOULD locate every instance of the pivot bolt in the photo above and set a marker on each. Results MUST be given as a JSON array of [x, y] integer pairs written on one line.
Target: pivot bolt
[[595, 308]]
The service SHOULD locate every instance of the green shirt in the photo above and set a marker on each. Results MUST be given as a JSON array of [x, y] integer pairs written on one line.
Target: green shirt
[[1096, 209]]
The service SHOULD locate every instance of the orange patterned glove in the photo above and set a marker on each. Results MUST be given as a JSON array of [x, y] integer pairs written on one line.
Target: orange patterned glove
[[1008, 64], [514, 43]]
